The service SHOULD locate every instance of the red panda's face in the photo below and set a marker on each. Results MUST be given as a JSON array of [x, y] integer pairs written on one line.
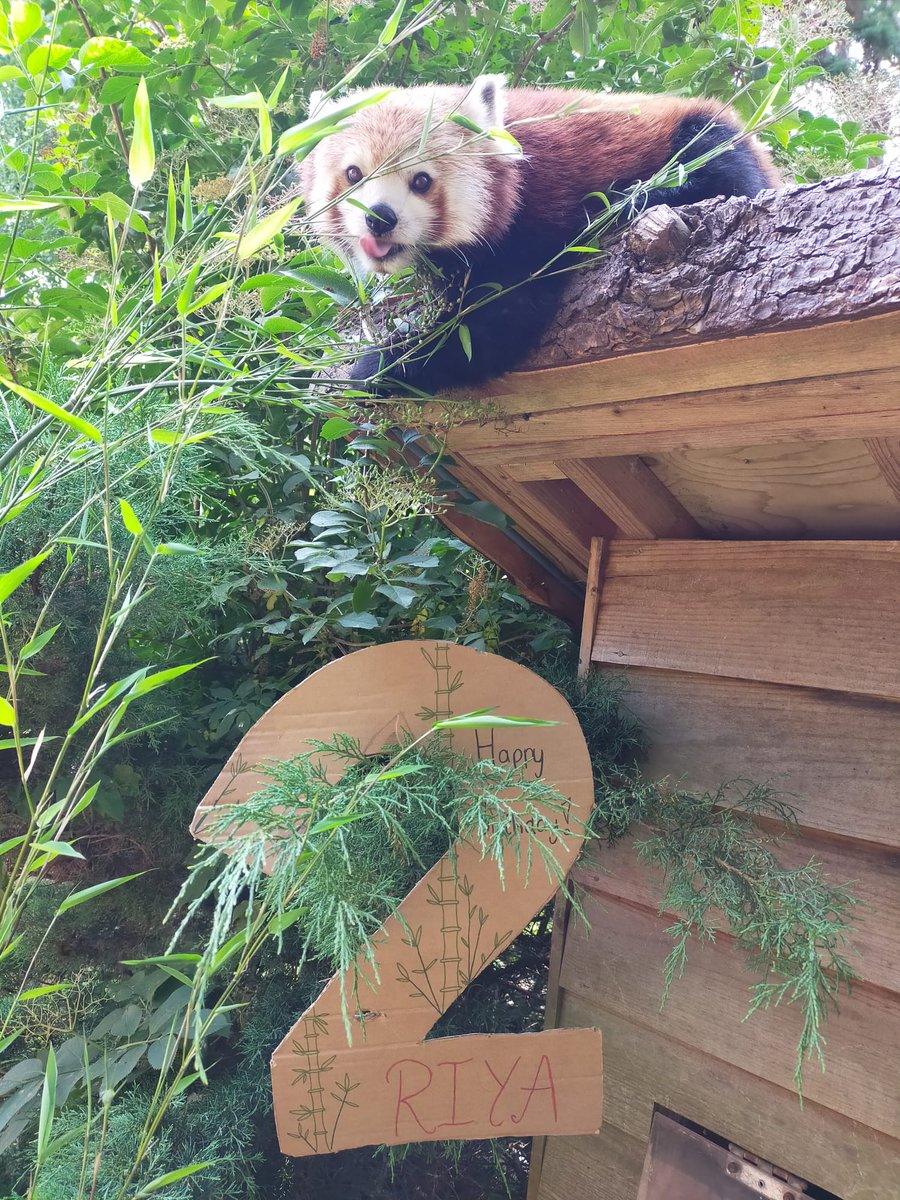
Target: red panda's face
[[400, 178]]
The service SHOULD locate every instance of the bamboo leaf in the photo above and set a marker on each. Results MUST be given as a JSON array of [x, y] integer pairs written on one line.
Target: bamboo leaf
[[85, 428], [187, 209], [130, 519], [262, 233], [47, 990], [7, 713], [389, 32], [48, 1106], [307, 133], [162, 1181], [11, 579], [36, 645], [484, 719], [75, 898], [171, 230], [141, 154]]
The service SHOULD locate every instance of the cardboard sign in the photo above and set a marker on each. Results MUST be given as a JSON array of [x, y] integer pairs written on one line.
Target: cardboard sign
[[385, 1083]]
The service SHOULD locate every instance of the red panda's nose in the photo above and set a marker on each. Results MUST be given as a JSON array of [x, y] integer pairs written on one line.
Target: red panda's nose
[[381, 219]]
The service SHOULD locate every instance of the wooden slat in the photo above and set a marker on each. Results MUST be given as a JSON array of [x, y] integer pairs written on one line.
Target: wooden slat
[[839, 756], [823, 489], [763, 358], [642, 1068], [861, 404], [873, 875], [632, 496], [813, 614], [591, 603], [886, 453], [604, 1166], [618, 963]]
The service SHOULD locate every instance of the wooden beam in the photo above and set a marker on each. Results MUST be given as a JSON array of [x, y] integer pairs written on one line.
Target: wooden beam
[[631, 495], [864, 403]]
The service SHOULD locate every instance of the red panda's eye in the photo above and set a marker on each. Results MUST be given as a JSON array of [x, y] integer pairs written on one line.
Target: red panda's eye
[[354, 174], [421, 183]]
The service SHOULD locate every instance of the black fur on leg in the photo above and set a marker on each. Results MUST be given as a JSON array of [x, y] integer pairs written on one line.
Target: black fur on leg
[[734, 172]]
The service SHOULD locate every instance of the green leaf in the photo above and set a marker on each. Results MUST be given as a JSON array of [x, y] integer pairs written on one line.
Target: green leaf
[[12, 579], [187, 204], [48, 1106], [262, 233], [44, 58], [6, 1042], [186, 295], [265, 126], [117, 89], [333, 283], [130, 520], [162, 1181], [7, 713], [285, 920], [160, 678], [120, 210], [47, 990], [465, 339], [397, 772], [12, 204], [25, 18], [113, 52], [403, 596], [247, 100], [171, 230], [36, 645], [580, 29], [208, 297], [58, 849], [554, 12], [9, 72], [363, 620], [141, 154], [85, 428], [389, 32], [336, 428], [485, 718], [75, 898], [307, 133], [11, 843]]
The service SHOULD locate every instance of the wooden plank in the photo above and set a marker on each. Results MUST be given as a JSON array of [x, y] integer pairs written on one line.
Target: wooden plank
[[793, 354], [873, 874], [591, 603], [617, 964], [487, 488], [632, 496], [802, 489], [642, 1067], [838, 756], [865, 403], [886, 453], [813, 614], [562, 913], [603, 1166]]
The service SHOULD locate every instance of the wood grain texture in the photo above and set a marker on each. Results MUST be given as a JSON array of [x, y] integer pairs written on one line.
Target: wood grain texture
[[813, 614], [632, 496], [617, 965], [838, 756], [873, 874], [605, 1166], [861, 403], [886, 454], [643, 1067], [801, 489], [787, 257]]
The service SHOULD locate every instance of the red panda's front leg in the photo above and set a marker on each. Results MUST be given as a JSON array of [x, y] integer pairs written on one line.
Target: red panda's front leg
[[494, 331]]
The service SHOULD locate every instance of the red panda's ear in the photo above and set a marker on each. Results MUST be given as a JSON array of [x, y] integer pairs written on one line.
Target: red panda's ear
[[315, 102], [485, 101]]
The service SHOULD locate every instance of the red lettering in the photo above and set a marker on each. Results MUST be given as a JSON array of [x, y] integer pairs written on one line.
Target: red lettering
[[503, 1084], [406, 1098], [549, 1086], [453, 1121]]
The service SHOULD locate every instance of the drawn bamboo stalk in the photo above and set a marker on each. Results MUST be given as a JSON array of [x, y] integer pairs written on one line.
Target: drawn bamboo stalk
[[448, 899], [314, 1078]]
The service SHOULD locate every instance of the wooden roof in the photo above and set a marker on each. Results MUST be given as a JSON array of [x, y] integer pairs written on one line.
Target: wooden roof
[[729, 370]]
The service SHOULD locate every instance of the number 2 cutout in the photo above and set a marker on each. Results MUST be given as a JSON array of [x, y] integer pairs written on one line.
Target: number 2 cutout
[[388, 1084]]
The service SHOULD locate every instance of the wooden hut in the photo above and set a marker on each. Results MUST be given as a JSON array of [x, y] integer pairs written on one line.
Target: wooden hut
[[702, 463]]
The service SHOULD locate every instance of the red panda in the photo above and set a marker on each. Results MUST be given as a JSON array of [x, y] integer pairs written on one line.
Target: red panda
[[400, 181]]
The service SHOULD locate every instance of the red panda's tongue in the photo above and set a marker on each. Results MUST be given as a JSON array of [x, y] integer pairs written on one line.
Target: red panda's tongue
[[375, 247]]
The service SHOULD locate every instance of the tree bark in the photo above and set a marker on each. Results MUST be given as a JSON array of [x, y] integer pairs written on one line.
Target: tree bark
[[797, 256]]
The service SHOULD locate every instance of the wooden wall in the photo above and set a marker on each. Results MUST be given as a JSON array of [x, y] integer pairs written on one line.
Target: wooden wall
[[772, 661]]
